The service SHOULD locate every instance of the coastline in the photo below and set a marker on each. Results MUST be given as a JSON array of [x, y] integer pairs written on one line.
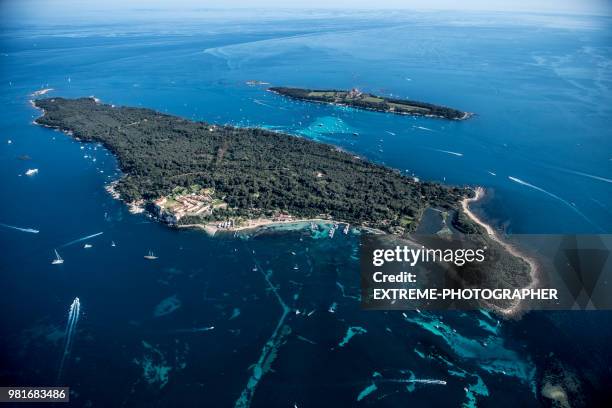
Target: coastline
[[254, 224], [41, 92], [211, 228], [134, 207], [512, 311]]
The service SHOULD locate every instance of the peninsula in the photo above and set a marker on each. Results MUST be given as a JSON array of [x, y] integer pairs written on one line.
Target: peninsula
[[360, 100]]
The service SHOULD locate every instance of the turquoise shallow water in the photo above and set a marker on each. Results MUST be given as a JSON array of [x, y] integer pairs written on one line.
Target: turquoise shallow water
[[193, 325]]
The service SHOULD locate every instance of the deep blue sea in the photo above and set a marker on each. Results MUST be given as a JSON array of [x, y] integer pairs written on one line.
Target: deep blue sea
[[273, 319]]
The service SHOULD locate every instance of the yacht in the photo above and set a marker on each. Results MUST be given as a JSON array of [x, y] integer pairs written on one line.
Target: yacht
[[58, 259], [150, 256]]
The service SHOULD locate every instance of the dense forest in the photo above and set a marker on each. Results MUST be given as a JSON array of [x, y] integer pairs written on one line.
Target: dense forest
[[254, 171], [357, 99]]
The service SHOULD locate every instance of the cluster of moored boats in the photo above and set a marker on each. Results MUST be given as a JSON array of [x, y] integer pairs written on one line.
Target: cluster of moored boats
[[332, 230]]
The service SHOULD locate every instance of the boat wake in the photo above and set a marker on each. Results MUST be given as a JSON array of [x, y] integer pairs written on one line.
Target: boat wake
[[587, 175], [449, 152], [73, 318], [552, 195], [81, 239], [30, 230], [194, 330], [258, 102], [417, 380]]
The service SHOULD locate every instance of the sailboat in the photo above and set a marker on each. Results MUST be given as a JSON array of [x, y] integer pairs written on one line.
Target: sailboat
[[58, 259], [150, 256]]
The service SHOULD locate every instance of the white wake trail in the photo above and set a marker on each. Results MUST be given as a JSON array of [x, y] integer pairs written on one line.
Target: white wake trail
[[73, 318], [194, 330], [591, 176], [81, 239], [257, 101], [30, 230], [415, 380], [449, 152], [556, 197]]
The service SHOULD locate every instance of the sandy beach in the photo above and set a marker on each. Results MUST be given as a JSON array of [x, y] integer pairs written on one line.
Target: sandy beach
[[533, 266]]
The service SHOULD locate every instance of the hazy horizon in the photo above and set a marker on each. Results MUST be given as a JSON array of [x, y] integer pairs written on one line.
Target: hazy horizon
[[593, 7]]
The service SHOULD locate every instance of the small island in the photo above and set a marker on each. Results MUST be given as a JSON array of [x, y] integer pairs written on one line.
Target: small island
[[360, 100]]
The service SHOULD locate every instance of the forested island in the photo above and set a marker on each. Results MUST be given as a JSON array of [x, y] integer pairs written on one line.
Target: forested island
[[357, 99], [200, 174], [244, 173]]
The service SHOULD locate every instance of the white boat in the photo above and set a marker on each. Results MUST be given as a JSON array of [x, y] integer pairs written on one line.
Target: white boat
[[87, 246], [58, 259], [113, 243], [151, 256], [346, 229], [31, 172]]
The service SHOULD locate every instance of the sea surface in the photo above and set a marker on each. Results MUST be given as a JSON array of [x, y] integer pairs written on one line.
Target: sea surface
[[272, 319]]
